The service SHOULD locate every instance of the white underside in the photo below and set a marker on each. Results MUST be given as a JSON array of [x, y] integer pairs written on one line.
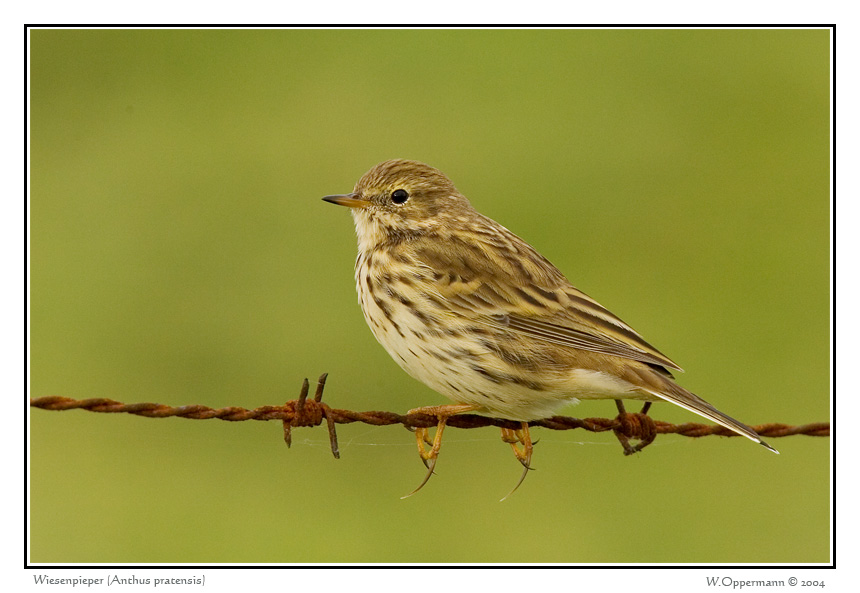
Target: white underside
[[463, 385]]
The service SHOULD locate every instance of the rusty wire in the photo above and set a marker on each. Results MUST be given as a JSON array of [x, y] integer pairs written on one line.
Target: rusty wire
[[312, 412]]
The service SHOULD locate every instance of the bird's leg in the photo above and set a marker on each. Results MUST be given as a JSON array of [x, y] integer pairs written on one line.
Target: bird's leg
[[442, 414], [521, 435], [645, 428], [524, 456]]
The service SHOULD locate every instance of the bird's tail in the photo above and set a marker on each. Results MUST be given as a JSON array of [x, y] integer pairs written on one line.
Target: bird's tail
[[679, 396]]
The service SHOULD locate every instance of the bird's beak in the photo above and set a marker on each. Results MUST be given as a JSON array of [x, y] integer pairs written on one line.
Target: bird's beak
[[348, 200]]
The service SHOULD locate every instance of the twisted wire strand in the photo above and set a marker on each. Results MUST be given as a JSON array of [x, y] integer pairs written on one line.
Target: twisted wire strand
[[312, 412]]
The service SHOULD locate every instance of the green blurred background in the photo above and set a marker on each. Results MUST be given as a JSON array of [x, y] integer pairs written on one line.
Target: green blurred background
[[181, 255]]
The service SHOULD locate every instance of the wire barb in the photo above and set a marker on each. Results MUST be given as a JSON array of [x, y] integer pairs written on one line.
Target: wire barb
[[310, 413], [634, 426], [305, 412]]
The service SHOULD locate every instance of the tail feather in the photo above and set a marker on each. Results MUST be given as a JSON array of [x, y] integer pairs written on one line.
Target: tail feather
[[679, 396]]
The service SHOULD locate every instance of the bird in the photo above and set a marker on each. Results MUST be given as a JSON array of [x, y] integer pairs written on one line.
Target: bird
[[470, 309]]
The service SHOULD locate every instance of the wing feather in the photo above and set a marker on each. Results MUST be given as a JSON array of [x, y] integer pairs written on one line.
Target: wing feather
[[503, 282]]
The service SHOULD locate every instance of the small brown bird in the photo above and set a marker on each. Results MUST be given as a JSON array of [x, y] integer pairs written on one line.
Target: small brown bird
[[473, 311]]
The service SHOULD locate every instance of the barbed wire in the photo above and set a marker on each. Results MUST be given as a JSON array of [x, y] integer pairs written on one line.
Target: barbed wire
[[305, 412]]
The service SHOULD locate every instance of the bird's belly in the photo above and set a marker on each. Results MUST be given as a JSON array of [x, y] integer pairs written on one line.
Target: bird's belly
[[462, 362]]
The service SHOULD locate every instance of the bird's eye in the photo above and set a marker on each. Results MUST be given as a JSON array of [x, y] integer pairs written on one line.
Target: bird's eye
[[399, 196]]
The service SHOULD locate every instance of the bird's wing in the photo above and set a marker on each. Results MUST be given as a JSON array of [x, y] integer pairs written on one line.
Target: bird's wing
[[505, 283]]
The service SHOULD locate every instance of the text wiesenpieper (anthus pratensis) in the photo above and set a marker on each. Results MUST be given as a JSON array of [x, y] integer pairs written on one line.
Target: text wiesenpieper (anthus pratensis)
[[474, 312]]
